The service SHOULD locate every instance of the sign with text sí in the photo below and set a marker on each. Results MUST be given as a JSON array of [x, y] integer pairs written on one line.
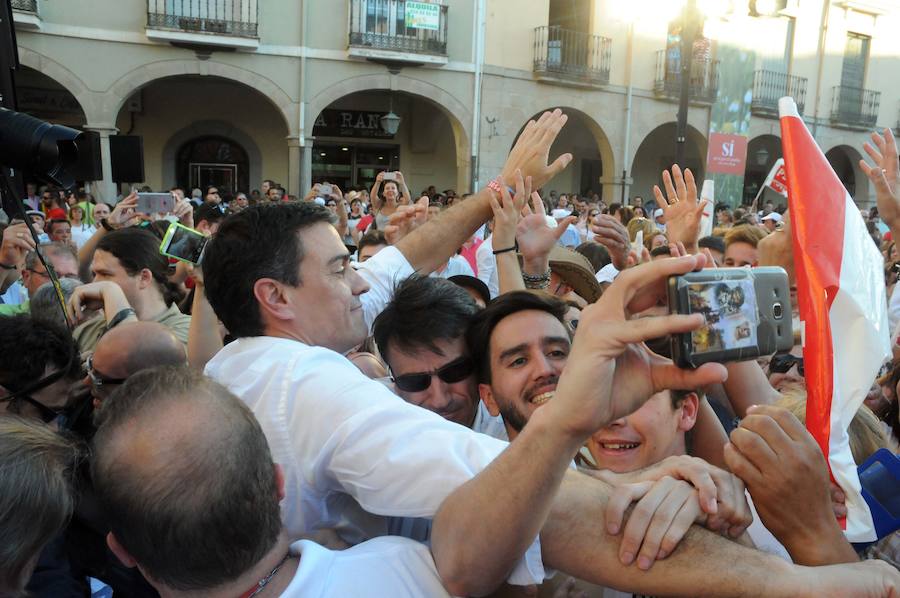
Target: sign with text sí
[[350, 123], [422, 15], [727, 154]]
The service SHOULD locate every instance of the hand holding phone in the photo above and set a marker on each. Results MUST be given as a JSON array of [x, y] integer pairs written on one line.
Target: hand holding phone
[[183, 243], [325, 190], [390, 176], [155, 203], [747, 311]]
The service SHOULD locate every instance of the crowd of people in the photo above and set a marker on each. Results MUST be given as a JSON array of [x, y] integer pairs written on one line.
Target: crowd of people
[[365, 393]]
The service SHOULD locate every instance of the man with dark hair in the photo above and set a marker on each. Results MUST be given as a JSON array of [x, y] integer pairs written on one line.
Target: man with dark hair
[[131, 283], [523, 335], [207, 218], [279, 278], [60, 231], [421, 336], [369, 244], [716, 247], [40, 362]]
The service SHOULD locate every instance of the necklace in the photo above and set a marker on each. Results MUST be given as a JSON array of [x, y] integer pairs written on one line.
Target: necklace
[[262, 583]]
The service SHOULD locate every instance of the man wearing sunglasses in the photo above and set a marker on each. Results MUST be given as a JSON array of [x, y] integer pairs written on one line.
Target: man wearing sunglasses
[[40, 363], [421, 336]]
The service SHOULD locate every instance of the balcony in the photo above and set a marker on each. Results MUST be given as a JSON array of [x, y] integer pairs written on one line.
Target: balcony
[[398, 31], [704, 83], [222, 23], [854, 107], [571, 57], [25, 14], [770, 86]]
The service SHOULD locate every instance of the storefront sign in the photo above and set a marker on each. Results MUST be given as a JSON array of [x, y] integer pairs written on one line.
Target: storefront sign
[[33, 99], [423, 15], [350, 123]]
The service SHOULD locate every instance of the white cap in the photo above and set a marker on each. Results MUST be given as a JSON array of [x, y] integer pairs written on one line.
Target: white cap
[[772, 216], [657, 213], [319, 200]]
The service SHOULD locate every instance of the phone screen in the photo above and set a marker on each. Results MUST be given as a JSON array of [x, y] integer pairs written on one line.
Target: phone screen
[[186, 244], [155, 203], [729, 307]]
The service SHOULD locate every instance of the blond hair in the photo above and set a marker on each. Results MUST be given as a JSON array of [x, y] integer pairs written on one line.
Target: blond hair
[[745, 233]]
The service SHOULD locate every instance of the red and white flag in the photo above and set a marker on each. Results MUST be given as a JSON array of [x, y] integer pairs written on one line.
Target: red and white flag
[[843, 308]]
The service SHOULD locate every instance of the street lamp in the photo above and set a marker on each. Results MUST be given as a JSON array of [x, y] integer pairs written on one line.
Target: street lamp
[[390, 122]]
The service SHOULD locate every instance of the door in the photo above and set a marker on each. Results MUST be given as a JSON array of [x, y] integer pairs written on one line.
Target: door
[[853, 76]]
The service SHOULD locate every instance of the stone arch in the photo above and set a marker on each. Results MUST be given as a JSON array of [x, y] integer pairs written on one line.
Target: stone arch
[[762, 153], [119, 92], [604, 146], [211, 128], [844, 159], [457, 113], [63, 76], [656, 152]]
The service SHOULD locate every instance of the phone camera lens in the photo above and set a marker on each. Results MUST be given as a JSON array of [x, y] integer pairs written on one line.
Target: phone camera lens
[[777, 311]]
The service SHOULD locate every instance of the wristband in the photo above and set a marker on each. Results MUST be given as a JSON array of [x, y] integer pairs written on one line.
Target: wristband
[[120, 315], [515, 247], [496, 187], [7, 266], [106, 225], [541, 281]]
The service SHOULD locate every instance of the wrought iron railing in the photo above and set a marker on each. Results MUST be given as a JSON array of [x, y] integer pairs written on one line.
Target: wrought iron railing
[[854, 106], [238, 18], [704, 82], [770, 86], [572, 54], [399, 26], [25, 5]]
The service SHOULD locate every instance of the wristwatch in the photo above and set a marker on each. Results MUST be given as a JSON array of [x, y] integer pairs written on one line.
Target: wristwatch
[[106, 225]]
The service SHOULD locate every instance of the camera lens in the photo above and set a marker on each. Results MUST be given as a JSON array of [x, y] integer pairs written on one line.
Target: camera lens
[[777, 311]]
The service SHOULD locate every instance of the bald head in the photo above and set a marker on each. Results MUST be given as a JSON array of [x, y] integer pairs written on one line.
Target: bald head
[[186, 479], [134, 346]]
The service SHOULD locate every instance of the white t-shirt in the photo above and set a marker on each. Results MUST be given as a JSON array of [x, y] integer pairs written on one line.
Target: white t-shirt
[[457, 265], [353, 452], [382, 567], [81, 233], [487, 266]]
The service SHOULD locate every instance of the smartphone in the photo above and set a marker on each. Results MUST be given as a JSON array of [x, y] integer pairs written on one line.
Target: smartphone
[[389, 176], [183, 243], [155, 203], [747, 311], [325, 190]]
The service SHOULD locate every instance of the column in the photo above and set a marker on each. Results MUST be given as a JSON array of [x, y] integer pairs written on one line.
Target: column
[[294, 167], [104, 190], [306, 153]]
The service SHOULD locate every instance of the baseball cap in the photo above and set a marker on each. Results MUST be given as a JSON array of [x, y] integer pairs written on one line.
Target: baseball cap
[[470, 282], [773, 216], [657, 213]]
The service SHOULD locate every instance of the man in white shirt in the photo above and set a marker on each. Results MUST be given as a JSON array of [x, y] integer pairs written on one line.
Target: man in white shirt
[[487, 265], [279, 279], [185, 477]]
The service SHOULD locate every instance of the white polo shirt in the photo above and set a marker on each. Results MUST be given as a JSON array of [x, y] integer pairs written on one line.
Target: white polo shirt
[[353, 452]]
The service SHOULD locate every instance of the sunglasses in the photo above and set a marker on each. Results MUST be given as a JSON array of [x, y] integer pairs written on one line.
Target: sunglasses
[[782, 363], [455, 371], [98, 379]]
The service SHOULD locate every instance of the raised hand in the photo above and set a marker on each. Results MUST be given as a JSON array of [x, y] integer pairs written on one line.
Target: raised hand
[[613, 235], [405, 220], [508, 212], [17, 242], [535, 238], [125, 212], [184, 211], [680, 207], [531, 153], [885, 175]]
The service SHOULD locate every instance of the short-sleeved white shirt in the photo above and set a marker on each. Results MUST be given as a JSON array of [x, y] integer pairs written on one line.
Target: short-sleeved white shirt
[[389, 566], [353, 452]]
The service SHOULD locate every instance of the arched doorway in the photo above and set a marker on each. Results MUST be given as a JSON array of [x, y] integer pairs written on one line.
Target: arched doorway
[[200, 128], [656, 153], [351, 145], [845, 162], [762, 153], [592, 169], [213, 160]]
